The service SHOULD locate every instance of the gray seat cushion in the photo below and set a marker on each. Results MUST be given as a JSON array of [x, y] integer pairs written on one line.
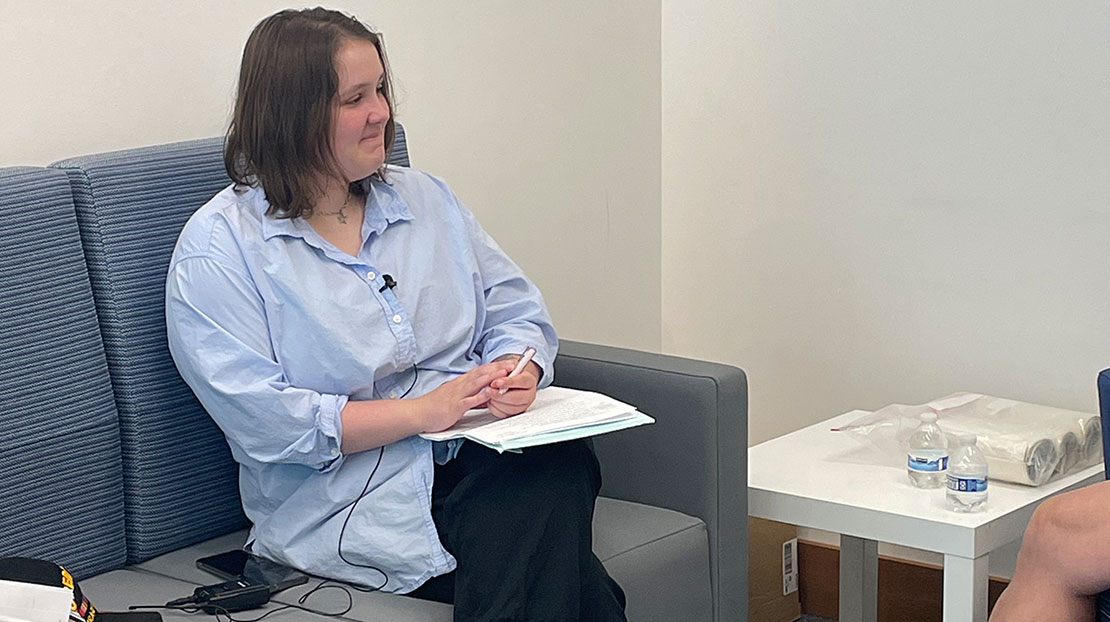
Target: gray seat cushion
[[117, 590], [62, 484], [660, 557], [181, 564]]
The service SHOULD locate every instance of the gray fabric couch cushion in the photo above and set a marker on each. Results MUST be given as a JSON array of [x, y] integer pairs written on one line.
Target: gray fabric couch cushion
[[660, 557], [116, 591], [59, 435], [181, 565]]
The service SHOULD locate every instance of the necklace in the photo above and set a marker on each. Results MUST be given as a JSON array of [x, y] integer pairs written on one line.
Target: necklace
[[339, 213]]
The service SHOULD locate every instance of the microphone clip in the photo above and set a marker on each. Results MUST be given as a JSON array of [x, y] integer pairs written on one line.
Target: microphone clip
[[389, 283]]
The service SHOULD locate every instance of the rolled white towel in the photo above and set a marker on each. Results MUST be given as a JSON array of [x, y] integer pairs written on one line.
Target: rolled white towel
[[1092, 441], [1036, 467], [1071, 452]]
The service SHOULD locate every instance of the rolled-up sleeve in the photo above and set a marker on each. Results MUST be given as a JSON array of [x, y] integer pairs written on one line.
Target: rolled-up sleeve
[[515, 313], [220, 342]]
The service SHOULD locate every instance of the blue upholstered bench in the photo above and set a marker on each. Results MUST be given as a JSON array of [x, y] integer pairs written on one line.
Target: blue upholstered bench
[[1104, 415], [109, 465]]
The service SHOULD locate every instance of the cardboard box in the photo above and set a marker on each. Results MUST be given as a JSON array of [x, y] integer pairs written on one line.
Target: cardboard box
[[772, 572]]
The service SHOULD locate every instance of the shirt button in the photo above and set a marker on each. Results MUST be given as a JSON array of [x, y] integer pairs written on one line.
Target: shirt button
[[392, 395], [371, 276], [397, 319]]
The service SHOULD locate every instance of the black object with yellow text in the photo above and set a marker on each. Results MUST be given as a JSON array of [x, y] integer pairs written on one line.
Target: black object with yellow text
[[31, 571]]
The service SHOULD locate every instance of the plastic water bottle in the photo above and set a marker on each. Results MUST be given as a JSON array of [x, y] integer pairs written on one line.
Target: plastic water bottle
[[967, 477], [928, 456]]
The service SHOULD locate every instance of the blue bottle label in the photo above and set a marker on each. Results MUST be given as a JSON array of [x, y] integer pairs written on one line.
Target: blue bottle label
[[930, 461], [967, 484]]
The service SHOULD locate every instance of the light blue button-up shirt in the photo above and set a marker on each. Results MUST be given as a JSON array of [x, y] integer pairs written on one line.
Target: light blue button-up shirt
[[275, 329]]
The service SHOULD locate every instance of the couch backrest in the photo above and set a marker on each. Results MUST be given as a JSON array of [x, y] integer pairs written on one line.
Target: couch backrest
[[61, 481], [180, 481]]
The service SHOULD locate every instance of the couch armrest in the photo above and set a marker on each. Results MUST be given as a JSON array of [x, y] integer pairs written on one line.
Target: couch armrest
[[693, 459]]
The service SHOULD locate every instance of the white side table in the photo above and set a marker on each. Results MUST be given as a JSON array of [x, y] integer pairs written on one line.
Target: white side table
[[821, 479]]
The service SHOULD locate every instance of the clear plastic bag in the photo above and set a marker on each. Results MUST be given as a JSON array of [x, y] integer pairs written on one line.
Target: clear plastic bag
[[1023, 443]]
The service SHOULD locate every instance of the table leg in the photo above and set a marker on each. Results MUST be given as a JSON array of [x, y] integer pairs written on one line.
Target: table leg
[[965, 589], [859, 579]]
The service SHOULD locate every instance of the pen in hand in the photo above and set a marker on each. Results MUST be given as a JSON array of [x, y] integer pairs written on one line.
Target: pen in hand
[[529, 352]]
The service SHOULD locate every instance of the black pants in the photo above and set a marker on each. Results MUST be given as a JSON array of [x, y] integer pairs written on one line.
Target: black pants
[[519, 526]]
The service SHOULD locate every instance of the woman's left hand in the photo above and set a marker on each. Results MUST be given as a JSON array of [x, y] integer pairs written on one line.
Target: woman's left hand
[[519, 392]]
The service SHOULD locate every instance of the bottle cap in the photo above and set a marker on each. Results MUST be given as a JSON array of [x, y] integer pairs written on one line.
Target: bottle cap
[[968, 439], [929, 417]]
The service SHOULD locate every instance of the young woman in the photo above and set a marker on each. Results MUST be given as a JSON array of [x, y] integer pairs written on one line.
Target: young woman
[[327, 309]]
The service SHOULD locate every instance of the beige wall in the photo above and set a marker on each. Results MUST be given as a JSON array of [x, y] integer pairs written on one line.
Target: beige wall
[[866, 203], [544, 117], [876, 202], [858, 203]]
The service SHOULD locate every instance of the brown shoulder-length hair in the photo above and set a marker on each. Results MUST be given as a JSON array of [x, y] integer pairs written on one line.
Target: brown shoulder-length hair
[[280, 132]]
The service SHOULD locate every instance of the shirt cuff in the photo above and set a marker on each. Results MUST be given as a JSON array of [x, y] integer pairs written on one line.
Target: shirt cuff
[[329, 422]]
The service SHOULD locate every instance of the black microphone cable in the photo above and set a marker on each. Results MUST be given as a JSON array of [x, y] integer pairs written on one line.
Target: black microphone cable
[[199, 602], [366, 488], [202, 600]]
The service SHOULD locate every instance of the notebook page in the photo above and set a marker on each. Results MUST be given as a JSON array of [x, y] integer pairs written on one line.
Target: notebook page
[[555, 408]]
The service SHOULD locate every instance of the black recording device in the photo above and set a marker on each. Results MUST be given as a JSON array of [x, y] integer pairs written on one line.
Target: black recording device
[[226, 597], [239, 564]]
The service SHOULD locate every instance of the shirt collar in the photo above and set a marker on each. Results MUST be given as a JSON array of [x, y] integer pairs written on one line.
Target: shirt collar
[[383, 208]]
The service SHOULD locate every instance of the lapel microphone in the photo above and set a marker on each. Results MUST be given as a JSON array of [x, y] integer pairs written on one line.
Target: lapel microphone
[[389, 283]]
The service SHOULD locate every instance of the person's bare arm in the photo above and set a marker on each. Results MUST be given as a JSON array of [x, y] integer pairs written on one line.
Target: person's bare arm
[[1062, 564], [368, 424]]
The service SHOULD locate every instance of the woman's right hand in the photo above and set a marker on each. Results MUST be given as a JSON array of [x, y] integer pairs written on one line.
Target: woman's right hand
[[444, 405]]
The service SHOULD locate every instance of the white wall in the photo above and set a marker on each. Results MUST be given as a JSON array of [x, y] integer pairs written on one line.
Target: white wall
[[866, 203], [861, 203], [544, 117]]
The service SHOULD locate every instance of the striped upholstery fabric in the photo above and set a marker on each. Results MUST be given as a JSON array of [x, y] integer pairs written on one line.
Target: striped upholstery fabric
[[180, 479], [62, 483], [399, 155], [178, 474]]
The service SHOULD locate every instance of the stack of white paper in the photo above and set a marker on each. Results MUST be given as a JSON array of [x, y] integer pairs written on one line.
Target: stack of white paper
[[558, 414]]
